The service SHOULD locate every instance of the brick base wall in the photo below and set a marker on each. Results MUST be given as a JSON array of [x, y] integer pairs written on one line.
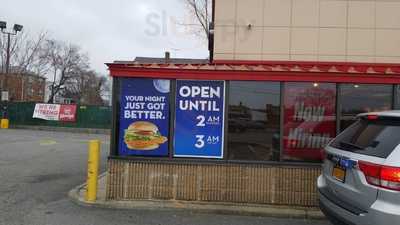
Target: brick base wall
[[240, 183]]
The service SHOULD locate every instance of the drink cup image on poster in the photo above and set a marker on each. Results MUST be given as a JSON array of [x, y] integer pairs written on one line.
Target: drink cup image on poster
[[199, 119], [144, 117]]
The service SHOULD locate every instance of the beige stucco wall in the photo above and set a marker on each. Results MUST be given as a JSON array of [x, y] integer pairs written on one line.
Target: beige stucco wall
[[308, 30]]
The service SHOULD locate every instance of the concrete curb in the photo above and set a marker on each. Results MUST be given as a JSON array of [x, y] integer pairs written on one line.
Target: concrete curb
[[201, 207], [63, 129]]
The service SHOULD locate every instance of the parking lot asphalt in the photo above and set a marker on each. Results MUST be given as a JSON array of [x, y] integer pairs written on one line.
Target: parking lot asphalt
[[38, 168]]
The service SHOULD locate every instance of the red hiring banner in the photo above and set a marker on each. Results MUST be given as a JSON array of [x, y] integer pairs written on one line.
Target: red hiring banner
[[68, 113], [309, 119]]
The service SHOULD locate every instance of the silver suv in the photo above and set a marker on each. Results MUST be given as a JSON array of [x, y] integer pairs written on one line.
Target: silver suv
[[360, 181]]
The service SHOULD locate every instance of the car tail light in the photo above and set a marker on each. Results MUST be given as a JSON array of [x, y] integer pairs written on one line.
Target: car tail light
[[390, 178], [372, 117], [381, 176], [371, 172]]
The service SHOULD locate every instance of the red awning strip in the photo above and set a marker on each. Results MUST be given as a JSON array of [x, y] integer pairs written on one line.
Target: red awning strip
[[273, 71]]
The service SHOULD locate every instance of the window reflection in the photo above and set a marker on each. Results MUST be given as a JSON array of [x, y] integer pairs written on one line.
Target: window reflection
[[309, 120], [253, 120], [360, 98], [397, 97]]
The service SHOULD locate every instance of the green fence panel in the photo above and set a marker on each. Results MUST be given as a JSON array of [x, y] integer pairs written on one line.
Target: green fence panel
[[87, 116], [94, 117]]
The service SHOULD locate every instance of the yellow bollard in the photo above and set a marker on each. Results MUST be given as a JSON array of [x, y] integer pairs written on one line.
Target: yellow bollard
[[4, 123], [93, 170]]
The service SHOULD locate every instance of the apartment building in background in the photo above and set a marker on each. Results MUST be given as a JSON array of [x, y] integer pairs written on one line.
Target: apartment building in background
[[24, 87]]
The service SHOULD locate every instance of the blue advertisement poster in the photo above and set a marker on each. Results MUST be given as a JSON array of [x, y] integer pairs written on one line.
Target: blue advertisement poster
[[199, 123], [144, 117]]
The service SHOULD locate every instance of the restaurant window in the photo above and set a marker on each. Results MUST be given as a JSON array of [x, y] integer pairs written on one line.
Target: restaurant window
[[360, 98], [397, 97], [309, 120], [253, 120]]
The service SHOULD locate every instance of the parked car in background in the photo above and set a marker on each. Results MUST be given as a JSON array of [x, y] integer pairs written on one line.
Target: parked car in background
[[360, 181]]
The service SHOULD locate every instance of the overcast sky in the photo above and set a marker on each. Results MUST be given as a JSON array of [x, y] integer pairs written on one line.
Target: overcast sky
[[110, 30]]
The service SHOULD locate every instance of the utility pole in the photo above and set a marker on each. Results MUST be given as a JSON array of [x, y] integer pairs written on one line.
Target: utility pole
[[5, 88]]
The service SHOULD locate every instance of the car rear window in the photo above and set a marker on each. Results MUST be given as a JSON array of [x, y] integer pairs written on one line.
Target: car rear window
[[376, 137]]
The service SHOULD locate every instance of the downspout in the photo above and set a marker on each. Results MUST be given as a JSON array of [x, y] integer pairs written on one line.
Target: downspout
[[211, 33]]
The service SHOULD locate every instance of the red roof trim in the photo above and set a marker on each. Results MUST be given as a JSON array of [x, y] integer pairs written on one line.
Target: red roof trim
[[268, 71], [255, 75]]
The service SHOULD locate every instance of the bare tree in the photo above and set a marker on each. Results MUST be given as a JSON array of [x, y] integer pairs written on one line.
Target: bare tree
[[24, 53], [97, 90], [104, 86], [65, 63], [28, 55], [87, 88], [200, 11]]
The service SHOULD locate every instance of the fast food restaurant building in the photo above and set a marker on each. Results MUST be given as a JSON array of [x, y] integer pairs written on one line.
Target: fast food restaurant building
[[248, 125]]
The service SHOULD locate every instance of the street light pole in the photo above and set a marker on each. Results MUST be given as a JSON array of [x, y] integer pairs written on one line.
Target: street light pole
[[8, 53], [5, 83], [5, 89]]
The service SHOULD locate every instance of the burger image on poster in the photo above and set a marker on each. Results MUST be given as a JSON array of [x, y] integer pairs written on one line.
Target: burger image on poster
[[162, 86], [142, 135]]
